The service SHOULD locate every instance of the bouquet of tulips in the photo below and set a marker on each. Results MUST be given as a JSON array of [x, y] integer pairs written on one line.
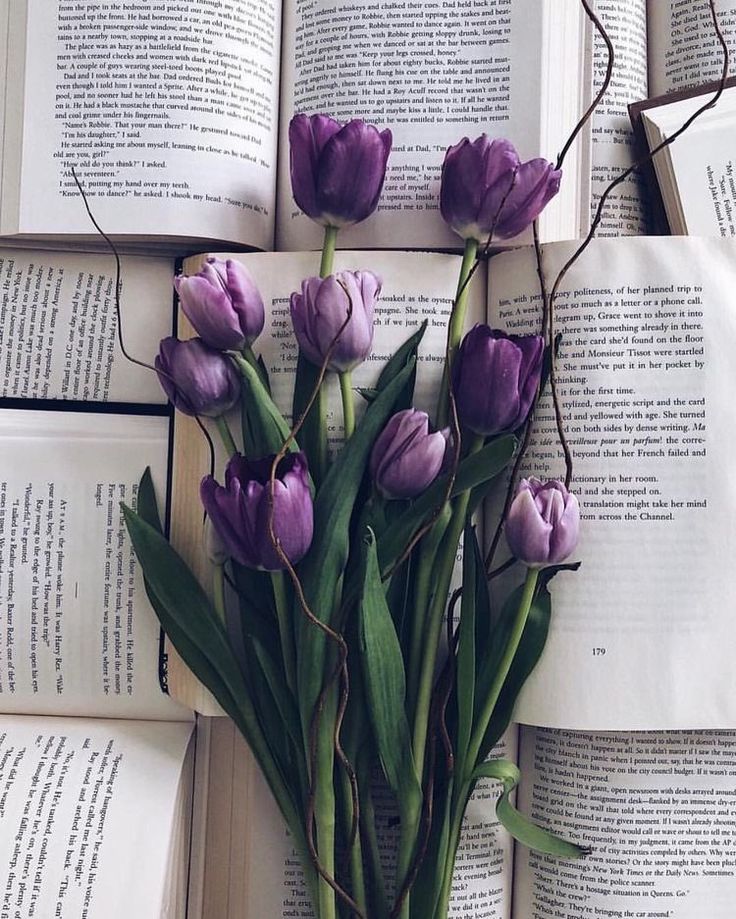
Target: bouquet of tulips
[[359, 664]]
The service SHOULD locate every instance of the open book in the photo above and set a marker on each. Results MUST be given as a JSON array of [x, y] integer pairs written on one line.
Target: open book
[[646, 376], [95, 761]]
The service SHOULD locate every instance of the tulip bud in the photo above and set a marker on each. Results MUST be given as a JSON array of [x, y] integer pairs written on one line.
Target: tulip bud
[[406, 458], [223, 304], [319, 312], [543, 522], [486, 189], [240, 510], [337, 171], [495, 379], [197, 379]]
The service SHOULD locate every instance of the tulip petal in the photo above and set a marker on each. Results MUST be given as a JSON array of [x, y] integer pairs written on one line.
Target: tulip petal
[[307, 137]]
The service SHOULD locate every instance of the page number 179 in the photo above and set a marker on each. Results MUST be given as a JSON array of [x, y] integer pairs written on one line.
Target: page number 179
[[599, 652]]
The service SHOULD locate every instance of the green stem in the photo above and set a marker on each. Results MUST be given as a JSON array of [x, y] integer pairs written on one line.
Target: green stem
[[379, 900], [218, 590], [328, 257], [530, 585], [356, 850], [324, 807], [288, 650], [456, 325], [348, 405], [227, 437], [249, 356]]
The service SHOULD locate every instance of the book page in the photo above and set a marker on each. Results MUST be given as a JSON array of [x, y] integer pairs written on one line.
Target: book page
[[166, 111], [658, 810], [431, 73], [87, 813], [251, 869], [612, 138], [77, 635], [683, 48], [646, 378], [699, 169], [59, 331]]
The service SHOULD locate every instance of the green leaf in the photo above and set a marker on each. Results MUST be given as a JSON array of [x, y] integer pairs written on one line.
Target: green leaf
[[399, 360], [322, 569], [385, 681], [472, 471], [313, 433], [522, 828], [533, 640], [146, 504], [285, 709], [264, 427]]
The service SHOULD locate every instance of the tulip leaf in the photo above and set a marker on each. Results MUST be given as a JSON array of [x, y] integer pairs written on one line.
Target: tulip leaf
[[397, 362], [474, 470], [367, 392], [146, 504], [322, 569], [264, 427], [522, 828], [385, 681], [285, 709], [533, 640], [313, 433]]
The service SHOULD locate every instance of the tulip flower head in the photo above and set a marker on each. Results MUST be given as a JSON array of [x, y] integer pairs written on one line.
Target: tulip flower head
[[406, 458], [495, 379], [486, 189], [543, 522], [197, 379], [223, 304], [319, 312], [240, 510], [337, 171]]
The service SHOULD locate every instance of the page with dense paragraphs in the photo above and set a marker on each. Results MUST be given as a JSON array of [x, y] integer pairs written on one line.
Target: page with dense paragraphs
[[612, 149], [263, 876], [168, 113], [432, 73], [78, 634], [683, 47], [646, 378], [658, 810], [59, 329], [88, 813]]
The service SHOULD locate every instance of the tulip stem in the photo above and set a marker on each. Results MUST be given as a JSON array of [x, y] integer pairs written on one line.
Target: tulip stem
[[328, 251], [286, 634], [348, 405], [227, 437], [525, 604], [218, 591], [249, 356], [456, 325]]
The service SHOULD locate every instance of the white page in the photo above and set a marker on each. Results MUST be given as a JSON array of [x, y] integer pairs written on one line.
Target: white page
[[612, 138], [701, 164], [649, 615], [87, 810], [658, 810], [78, 636], [431, 73], [58, 329], [168, 115], [683, 48]]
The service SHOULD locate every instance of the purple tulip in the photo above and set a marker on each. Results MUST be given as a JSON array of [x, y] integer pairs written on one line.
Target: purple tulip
[[319, 312], [337, 171], [197, 379], [406, 458], [495, 379], [543, 522], [487, 189], [240, 510], [223, 304]]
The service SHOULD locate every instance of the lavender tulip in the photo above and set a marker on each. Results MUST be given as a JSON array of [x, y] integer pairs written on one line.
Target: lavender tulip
[[197, 379], [543, 522], [406, 458], [495, 378], [337, 171], [487, 189], [240, 510], [319, 313], [223, 304]]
